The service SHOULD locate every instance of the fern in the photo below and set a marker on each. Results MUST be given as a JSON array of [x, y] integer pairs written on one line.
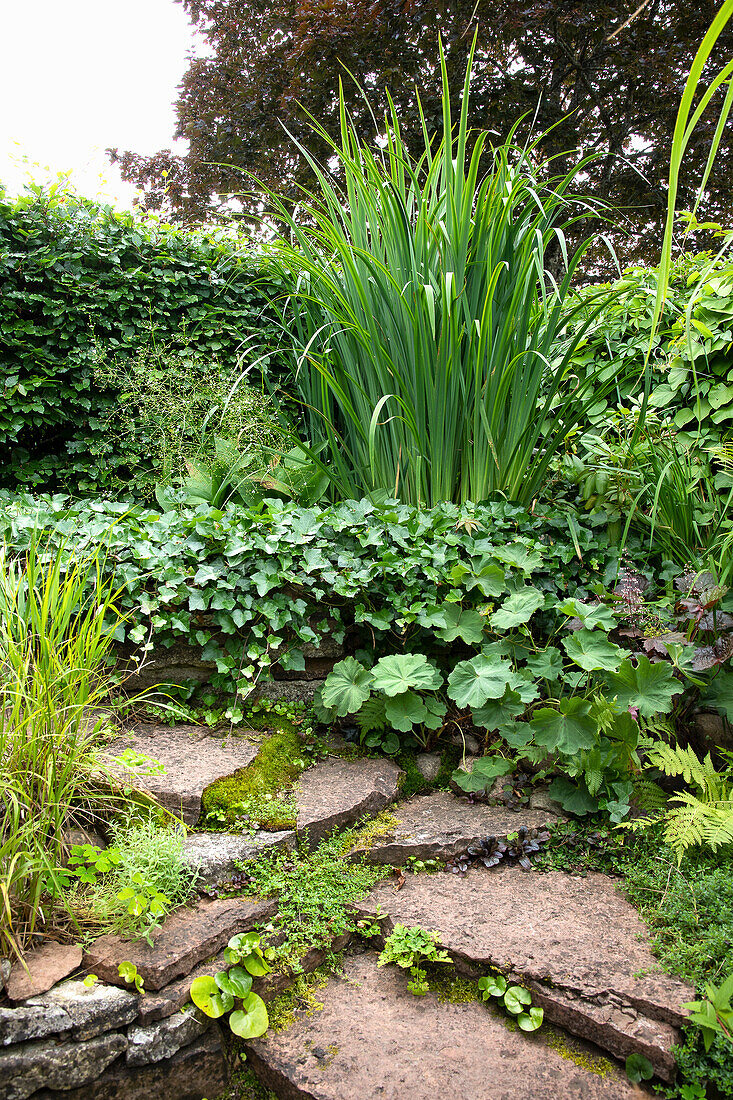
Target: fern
[[673, 760], [695, 821], [371, 716], [649, 796]]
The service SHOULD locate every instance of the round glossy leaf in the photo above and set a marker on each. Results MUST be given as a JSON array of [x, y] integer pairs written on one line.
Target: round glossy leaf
[[207, 996], [639, 1068], [530, 1021], [239, 983], [256, 964], [516, 999], [251, 1020], [492, 986]]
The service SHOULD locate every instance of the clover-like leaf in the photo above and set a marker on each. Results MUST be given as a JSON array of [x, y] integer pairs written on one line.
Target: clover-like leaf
[[398, 673], [251, 1020], [516, 999], [206, 995], [530, 1021], [649, 687], [592, 651], [517, 608], [493, 985], [568, 729], [347, 686], [472, 683]]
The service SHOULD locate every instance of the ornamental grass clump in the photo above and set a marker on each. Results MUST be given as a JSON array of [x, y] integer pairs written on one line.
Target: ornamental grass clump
[[425, 320], [57, 620]]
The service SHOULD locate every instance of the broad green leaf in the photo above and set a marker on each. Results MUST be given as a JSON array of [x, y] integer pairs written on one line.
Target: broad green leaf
[[251, 1020], [400, 672], [592, 651], [517, 608], [547, 664], [568, 730], [347, 686], [576, 800], [493, 985], [516, 999], [530, 1021], [520, 557], [497, 713], [472, 683], [483, 773], [459, 623], [523, 682], [590, 614], [719, 693], [206, 995], [239, 982], [405, 711], [650, 687]]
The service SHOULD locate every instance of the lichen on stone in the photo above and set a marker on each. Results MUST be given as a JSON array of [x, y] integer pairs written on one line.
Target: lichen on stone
[[566, 1048]]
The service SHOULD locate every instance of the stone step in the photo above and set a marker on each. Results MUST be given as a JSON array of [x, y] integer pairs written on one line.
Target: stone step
[[368, 1036], [193, 758], [338, 792], [186, 938], [575, 942], [215, 855], [440, 826]]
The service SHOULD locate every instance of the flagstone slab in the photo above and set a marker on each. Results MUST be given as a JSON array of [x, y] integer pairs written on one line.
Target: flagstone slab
[[373, 1038], [215, 855], [46, 965], [440, 826], [69, 1007], [338, 792], [186, 938], [575, 941], [193, 757]]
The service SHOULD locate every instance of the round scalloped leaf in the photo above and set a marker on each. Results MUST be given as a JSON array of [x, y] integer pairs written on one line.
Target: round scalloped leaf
[[517, 608], [472, 683], [639, 1068], [347, 686], [398, 673], [251, 1020], [650, 687], [256, 964], [530, 1021], [592, 651], [516, 999], [569, 729], [405, 711], [206, 995]]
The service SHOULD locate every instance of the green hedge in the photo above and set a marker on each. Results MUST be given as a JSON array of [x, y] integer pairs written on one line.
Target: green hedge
[[79, 280], [252, 587]]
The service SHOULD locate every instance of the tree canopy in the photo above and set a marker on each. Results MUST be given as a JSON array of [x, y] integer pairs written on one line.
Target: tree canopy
[[605, 76]]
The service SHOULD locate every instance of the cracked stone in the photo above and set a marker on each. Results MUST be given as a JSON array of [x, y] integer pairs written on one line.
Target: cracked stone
[[417, 1047], [27, 1067], [48, 964], [338, 793], [215, 855], [439, 826], [163, 1039], [186, 938], [71, 1006], [577, 942], [193, 758]]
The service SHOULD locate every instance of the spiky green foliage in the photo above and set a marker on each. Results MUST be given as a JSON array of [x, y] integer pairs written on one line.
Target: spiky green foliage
[[705, 817], [425, 321]]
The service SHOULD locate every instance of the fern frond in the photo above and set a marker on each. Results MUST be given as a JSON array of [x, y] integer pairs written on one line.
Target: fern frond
[[649, 796], [674, 760], [687, 824], [371, 715]]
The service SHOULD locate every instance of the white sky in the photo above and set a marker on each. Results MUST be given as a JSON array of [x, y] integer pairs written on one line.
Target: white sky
[[79, 76]]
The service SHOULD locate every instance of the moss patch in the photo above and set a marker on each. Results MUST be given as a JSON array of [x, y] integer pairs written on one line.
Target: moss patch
[[451, 989], [362, 836], [414, 782], [566, 1048], [257, 791], [301, 997]]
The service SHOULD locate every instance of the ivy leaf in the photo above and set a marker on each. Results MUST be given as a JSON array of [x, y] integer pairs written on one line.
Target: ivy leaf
[[405, 711], [547, 664], [472, 683], [592, 651], [568, 730], [497, 713], [517, 608], [650, 687], [402, 671], [347, 686]]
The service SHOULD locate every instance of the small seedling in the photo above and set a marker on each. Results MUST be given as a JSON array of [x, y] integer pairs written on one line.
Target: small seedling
[[128, 972], [639, 1068], [515, 998], [216, 995]]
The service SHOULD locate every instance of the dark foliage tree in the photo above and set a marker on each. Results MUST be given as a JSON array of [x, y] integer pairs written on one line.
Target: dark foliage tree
[[605, 74]]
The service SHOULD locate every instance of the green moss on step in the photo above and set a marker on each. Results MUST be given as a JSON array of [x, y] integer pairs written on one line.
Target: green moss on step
[[260, 791], [363, 836], [301, 997], [566, 1048], [453, 990]]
